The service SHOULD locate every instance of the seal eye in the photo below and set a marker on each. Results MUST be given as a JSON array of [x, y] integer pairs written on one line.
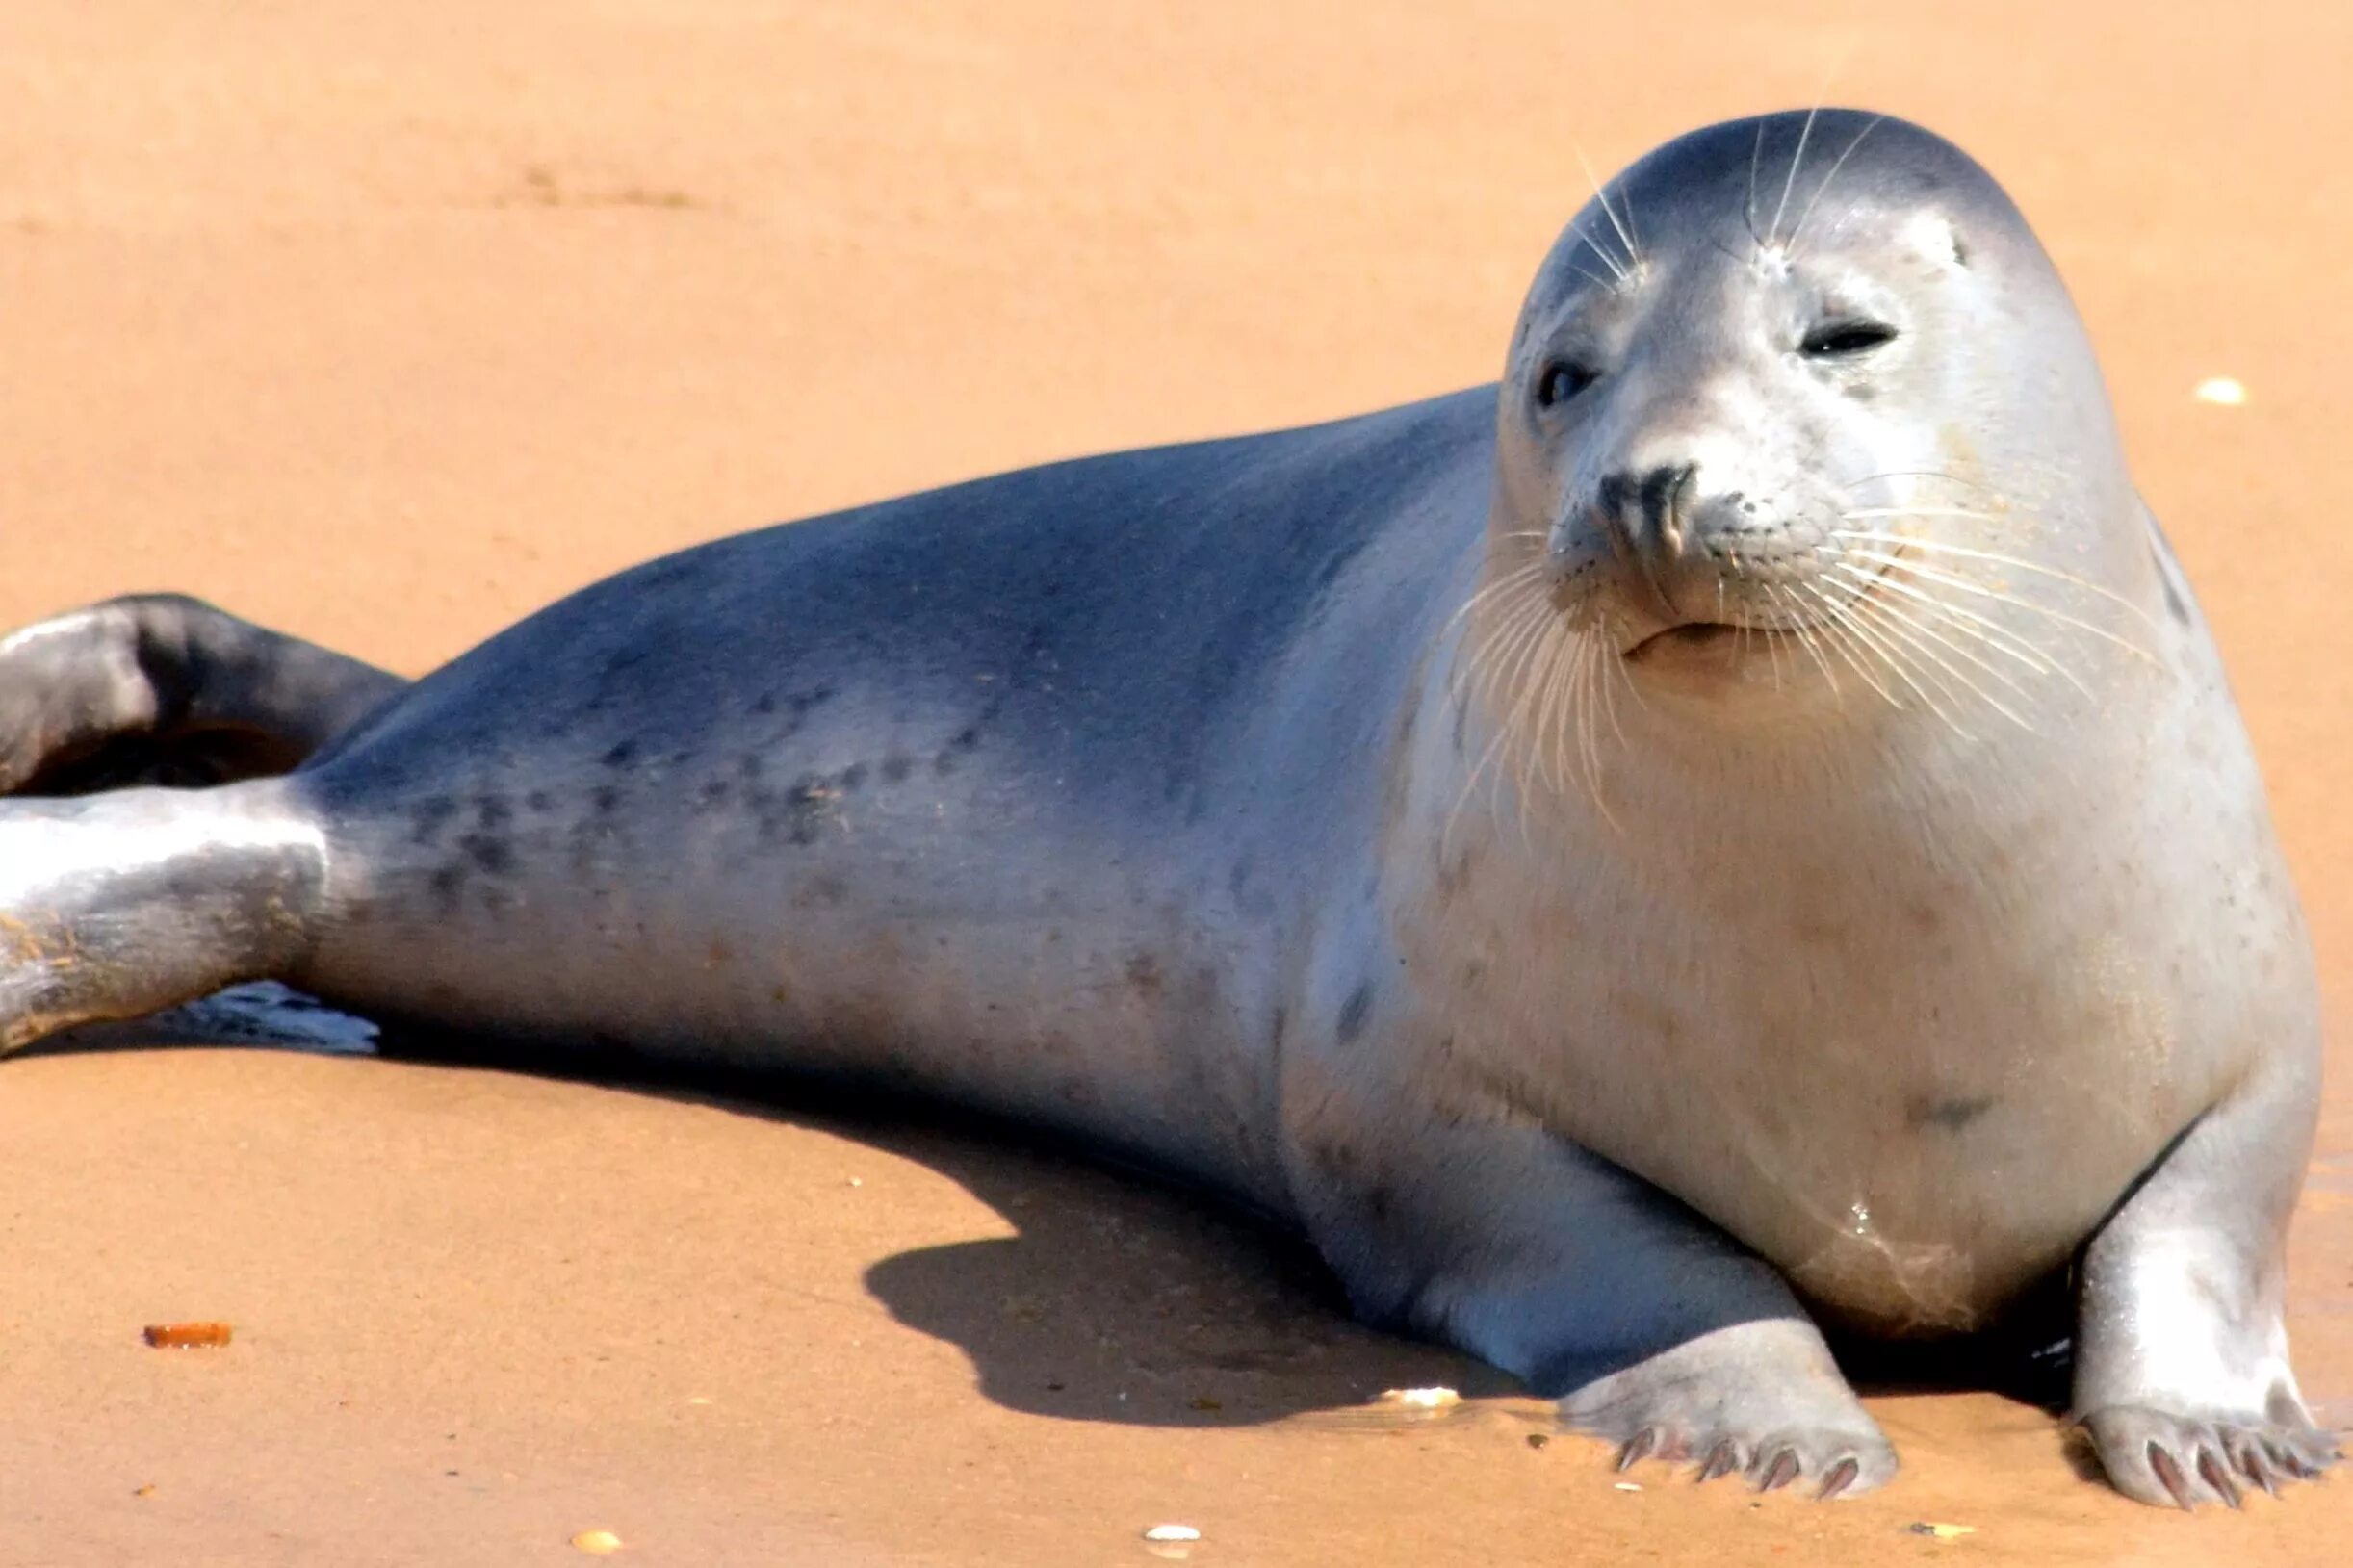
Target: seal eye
[[1563, 381], [1844, 340]]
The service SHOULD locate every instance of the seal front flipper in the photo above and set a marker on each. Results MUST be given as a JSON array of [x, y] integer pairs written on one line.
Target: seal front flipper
[[1653, 1328], [2183, 1380], [160, 688]]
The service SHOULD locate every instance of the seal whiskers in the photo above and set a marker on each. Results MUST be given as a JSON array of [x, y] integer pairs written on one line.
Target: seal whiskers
[[1890, 655], [1808, 637], [1798, 228], [1990, 633], [1543, 668], [2020, 563], [1788, 184], [1924, 641], [1969, 586], [1856, 653], [1617, 274], [1557, 668], [1634, 255]]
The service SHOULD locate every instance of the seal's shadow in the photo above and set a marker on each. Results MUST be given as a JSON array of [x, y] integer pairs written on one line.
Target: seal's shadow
[[1124, 1300], [1121, 1296]]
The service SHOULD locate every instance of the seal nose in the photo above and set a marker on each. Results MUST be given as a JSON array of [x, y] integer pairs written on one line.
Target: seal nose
[[1648, 512]]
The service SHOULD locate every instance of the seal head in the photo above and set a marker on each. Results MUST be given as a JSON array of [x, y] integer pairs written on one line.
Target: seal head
[[1734, 401]]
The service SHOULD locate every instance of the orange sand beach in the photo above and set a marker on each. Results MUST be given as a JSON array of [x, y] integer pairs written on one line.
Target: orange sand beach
[[388, 324]]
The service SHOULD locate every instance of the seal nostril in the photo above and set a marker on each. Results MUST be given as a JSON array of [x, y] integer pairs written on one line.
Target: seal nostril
[[1667, 504], [1683, 500]]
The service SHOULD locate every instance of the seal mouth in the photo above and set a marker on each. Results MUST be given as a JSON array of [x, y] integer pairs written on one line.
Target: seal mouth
[[1696, 635], [1728, 638]]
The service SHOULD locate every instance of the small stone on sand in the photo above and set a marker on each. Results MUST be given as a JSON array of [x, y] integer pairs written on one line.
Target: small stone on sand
[[180, 1336]]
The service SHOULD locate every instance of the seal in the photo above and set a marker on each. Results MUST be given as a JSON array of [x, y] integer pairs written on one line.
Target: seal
[[1735, 831]]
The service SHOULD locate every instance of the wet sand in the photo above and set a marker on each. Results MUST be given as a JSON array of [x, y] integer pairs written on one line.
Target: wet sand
[[389, 324]]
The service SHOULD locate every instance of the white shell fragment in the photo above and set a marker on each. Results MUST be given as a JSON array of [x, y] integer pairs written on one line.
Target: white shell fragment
[[1421, 1398], [1172, 1532]]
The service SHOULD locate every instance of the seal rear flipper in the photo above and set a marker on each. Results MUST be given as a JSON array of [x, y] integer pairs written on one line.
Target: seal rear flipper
[[1654, 1330], [160, 688], [117, 905]]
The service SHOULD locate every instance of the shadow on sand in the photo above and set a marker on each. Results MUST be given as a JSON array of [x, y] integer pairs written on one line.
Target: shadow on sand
[[1122, 1297]]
